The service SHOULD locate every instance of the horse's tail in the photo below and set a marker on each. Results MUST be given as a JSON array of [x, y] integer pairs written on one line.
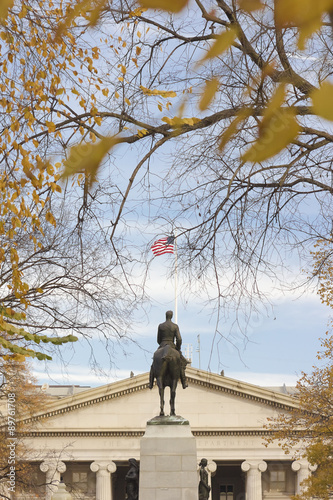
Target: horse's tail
[[151, 377], [160, 357]]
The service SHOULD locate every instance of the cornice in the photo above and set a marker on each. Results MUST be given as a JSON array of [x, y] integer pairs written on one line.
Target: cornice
[[236, 432], [77, 434], [140, 433], [276, 402], [82, 404]]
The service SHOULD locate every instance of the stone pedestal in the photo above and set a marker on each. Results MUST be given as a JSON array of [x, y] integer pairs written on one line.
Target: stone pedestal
[[168, 461]]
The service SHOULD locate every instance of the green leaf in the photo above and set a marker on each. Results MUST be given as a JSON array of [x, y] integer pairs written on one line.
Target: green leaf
[[15, 349]]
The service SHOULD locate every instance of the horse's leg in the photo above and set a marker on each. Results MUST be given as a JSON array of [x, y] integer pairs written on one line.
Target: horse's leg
[[173, 397], [161, 391]]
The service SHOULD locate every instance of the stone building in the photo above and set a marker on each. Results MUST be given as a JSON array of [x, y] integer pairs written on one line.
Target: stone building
[[87, 438]]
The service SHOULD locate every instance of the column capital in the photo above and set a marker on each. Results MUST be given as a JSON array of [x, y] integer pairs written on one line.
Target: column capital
[[211, 466], [53, 466], [106, 465], [303, 464], [255, 465]]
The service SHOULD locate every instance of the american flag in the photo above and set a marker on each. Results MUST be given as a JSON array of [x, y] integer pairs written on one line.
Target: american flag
[[164, 245]]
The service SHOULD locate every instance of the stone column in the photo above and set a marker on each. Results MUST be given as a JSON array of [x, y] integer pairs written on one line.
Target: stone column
[[303, 469], [253, 468], [211, 469], [103, 479], [52, 469]]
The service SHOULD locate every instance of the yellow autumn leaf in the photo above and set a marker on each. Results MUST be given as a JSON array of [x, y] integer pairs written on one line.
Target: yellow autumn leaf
[[322, 101], [55, 187], [178, 122], [250, 5], [127, 101], [51, 126], [16, 222], [307, 15], [167, 5], [208, 94], [222, 42], [98, 120], [275, 134], [137, 12], [233, 128], [91, 10], [142, 132], [87, 157], [49, 217], [4, 6], [95, 12], [161, 93], [275, 101]]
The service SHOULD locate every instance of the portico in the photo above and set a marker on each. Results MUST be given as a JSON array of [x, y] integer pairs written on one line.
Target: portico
[[95, 432]]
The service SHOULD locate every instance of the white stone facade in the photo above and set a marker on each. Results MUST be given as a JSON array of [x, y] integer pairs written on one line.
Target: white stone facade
[[88, 437]]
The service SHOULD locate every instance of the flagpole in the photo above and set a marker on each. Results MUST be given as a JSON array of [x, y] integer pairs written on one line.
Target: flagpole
[[176, 284]]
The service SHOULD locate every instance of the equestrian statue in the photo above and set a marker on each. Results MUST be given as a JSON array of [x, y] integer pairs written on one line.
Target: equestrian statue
[[168, 362]]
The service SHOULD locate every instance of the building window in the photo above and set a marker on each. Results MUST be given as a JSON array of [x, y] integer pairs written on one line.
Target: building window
[[278, 480], [226, 492], [80, 481]]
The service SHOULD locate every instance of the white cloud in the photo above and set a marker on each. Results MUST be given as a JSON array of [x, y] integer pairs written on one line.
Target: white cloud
[[84, 377], [80, 377]]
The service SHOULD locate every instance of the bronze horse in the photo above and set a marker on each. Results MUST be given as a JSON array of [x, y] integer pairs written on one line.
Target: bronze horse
[[166, 368]]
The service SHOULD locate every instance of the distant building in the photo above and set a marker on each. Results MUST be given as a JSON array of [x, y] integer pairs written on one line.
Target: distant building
[[87, 436]]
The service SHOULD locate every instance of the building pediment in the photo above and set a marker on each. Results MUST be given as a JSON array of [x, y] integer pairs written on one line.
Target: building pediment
[[211, 403]]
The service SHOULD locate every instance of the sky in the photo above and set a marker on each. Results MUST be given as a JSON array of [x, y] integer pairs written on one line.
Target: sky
[[281, 341]]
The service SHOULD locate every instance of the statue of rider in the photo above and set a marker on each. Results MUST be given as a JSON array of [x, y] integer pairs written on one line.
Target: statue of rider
[[168, 334]]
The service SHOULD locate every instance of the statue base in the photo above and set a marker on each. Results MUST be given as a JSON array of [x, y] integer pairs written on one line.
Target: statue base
[[168, 461]]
